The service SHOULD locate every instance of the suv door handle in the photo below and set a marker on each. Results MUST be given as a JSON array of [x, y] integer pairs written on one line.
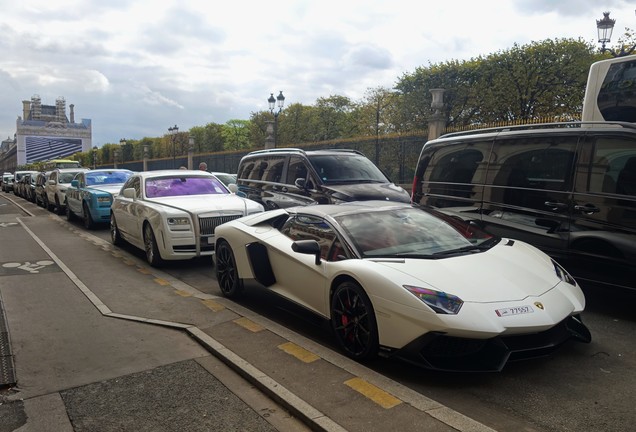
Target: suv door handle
[[588, 208], [556, 205]]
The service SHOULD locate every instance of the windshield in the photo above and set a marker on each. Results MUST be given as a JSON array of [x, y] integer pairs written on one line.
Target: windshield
[[66, 177], [179, 186], [107, 177], [345, 168], [411, 232]]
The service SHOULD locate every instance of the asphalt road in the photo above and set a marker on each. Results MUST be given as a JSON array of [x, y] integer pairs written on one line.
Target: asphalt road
[[584, 387]]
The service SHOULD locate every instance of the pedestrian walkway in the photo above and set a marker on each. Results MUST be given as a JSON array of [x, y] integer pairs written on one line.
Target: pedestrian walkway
[[324, 389]]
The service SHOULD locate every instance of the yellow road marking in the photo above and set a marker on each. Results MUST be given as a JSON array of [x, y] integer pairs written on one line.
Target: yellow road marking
[[143, 270], [183, 293], [299, 352], [129, 262], [162, 281], [216, 307], [249, 324], [376, 394]]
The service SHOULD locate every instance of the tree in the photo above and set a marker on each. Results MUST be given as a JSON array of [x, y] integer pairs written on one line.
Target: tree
[[236, 134]]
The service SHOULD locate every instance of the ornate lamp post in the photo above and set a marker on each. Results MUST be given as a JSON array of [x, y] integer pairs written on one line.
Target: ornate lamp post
[[173, 131], [605, 27], [122, 144], [146, 154], [273, 102]]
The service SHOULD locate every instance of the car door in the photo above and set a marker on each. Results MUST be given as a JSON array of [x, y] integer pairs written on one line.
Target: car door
[[298, 277], [603, 239], [127, 211], [296, 185], [528, 190], [74, 194]]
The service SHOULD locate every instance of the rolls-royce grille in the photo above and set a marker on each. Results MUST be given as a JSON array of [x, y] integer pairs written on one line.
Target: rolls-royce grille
[[207, 225]]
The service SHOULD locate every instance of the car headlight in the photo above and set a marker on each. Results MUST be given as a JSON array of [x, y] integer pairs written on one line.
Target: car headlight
[[178, 223], [439, 301], [563, 274], [103, 199]]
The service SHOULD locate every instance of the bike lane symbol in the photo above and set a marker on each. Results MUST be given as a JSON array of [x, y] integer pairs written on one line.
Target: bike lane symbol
[[29, 267]]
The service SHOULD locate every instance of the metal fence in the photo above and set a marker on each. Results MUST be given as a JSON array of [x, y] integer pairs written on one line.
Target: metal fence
[[396, 155]]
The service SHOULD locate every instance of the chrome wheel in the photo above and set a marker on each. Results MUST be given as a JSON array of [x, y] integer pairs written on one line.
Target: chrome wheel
[[150, 245], [226, 272], [88, 219], [115, 236], [353, 321]]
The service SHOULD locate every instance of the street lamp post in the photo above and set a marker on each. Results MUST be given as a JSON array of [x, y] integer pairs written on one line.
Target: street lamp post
[[122, 144], [173, 131], [273, 102], [605, 28], [94, 157]]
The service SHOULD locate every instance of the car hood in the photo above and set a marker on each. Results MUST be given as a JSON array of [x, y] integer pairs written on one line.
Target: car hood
[[368, 191], [210, 203], [510, 271], [111, 189]]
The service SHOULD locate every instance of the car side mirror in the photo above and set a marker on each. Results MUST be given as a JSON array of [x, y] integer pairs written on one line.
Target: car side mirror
[[130, 193], [233, 187], [300, 183], [74, 183], [309, 247]]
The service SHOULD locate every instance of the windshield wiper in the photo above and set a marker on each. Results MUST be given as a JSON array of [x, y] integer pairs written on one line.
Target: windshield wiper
[[470, 248]]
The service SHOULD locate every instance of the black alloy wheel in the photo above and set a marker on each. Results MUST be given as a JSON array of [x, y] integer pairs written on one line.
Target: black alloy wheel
[[353, 321], [226, 272]]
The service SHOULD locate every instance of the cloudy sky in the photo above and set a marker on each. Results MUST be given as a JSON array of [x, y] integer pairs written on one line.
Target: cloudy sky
[[136, 68]]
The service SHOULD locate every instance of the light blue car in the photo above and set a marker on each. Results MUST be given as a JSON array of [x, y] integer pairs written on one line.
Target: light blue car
[[92, 192]]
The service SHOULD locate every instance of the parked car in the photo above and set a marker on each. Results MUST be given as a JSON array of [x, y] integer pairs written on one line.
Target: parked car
[[40, 188], [29, 186], [567, 188], [171, 214], [406, 281], [226, 178], [59, 180], [91, 194], [20, 184], [7, 182], [286, 177]]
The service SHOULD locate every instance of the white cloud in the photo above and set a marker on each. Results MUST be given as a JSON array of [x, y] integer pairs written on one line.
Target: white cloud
[[136, 68]]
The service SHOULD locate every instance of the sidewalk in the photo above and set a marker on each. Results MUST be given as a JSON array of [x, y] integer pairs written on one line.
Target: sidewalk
[[325, 390]]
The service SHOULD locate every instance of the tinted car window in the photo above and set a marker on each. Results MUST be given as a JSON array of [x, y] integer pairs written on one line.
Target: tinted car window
[[612, 167], [346, 168], [310, 228], [535, 162]]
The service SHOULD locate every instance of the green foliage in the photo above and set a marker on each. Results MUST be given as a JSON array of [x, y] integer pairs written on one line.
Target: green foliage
[[236, 134]]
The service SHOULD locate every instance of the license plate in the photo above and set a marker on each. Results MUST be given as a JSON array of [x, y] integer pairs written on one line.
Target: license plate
[[514, 311]]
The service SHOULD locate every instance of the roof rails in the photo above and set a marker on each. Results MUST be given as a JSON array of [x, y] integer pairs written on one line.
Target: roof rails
[[297, 150], [539, 126]]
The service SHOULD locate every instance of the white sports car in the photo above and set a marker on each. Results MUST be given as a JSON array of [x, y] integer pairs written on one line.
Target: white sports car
[[396, 279], [172, 214]]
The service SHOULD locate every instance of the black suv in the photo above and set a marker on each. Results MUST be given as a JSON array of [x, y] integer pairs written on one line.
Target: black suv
[[286, 177], [567, 188]]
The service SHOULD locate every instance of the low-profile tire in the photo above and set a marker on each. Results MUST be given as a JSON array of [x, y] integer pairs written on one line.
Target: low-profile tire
[[353, 322], [226, 272], [69, 213], [150, 246], [115, 235], [89, 223]]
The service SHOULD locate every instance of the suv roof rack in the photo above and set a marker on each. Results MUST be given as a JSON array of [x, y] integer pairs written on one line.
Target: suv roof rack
[[298, 150], [538, 126]]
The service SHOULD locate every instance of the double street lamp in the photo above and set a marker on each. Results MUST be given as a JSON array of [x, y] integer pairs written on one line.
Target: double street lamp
[[605, 28], [173, 131], [273, 102]]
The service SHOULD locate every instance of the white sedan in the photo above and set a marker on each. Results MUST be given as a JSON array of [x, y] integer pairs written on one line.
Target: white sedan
[[394, 279], [172, 214]]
